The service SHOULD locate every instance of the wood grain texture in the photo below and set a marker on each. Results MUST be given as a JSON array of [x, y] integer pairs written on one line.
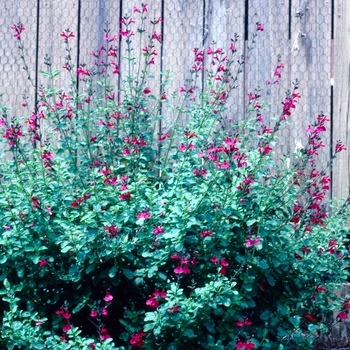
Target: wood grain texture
[[13, 80], [310, 62], [55, 17], [224, 18], [269, 45], [341, 96], [182, 33]]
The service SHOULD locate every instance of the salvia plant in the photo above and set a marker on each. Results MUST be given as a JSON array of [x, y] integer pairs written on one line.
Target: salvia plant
[[123, 228]]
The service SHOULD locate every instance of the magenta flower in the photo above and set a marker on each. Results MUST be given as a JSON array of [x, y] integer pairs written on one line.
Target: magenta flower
[[342, 315], [182, 147], [143, 214], [108, 297], [158, 229], [175, 256], [251, 242], [67, 35], [126, 151], [67, 327], [125, 196], [163, 137], [244, 345], [174, 309], [42, 263], [259, 27], [214, 259], [205, 233], [112, 230], [161, 294], [18, 29], [136, 340], [156, 36], [246, 322], [104, 311], [179, 270], [93, 313], [152, 302], [103, 333], [35, 203]]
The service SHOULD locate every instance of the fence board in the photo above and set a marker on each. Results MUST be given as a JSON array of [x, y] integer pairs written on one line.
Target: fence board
[[224, 18], [94, 16], [13, 80], [311, 35], [341, 123], [270, 43], [182, 33]]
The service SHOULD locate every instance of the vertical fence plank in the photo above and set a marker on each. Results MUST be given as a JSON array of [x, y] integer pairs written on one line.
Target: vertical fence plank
[[222, 20], [94, 16], [263, 61], [13, 80], [341, 96], [183, 31], [55, 17], [311, 51], [93, 23]]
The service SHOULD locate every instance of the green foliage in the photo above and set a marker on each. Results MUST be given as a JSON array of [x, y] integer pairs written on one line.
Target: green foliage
[[121, 228]]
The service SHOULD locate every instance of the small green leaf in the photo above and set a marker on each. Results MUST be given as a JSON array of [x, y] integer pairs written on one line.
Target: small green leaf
[[112, 271]]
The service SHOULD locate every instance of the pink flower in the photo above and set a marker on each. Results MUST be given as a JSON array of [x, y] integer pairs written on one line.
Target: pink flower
[[66, 35], [251, 242], [182, 269], [152, 302], [342, 315], [175, 256], [158, 229], [112, 230], [103, 333], [245, 345], [108, 297], [42, 263], [136, 339], [321, 289], [67, 327], [126, 151], [182, 147], [205, 233], [259, 27], [161, 294], [339, 147], [143, 214], [163, 137], [246, 322], [125, 196], [298, 256], [104, 311], [224, 262], [174, 309], [156, 36], [214, 259], [93, 313]]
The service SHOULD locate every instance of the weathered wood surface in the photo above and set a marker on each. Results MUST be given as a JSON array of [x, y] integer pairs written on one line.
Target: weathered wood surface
[[183, 31], [341, 98], [304, 42], [222, 20], [13, 81]]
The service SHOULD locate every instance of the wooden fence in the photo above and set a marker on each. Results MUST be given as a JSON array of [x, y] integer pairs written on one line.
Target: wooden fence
[[312, 37]]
